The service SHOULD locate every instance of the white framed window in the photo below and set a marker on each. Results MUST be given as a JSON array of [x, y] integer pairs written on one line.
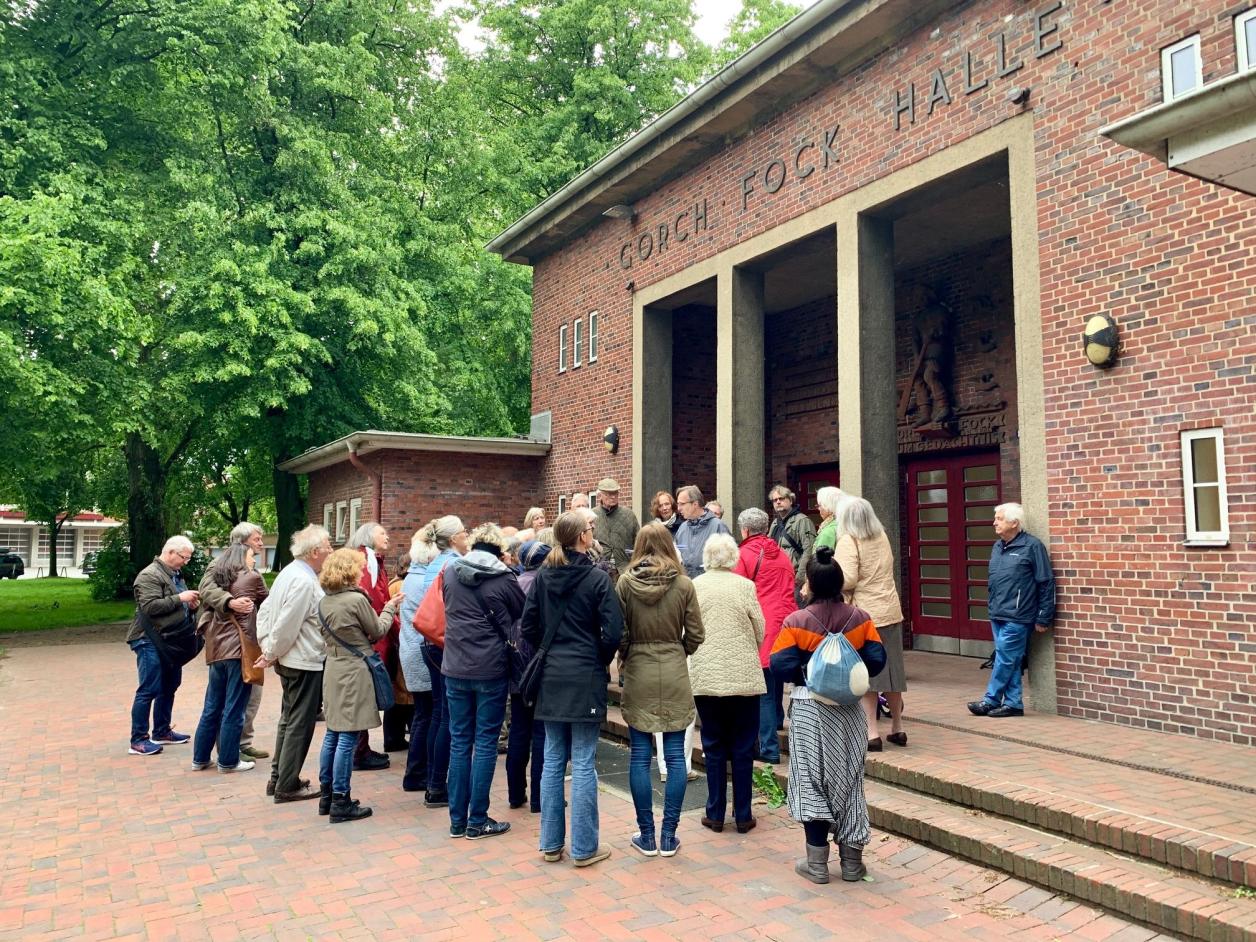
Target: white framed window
[[1181, 67], [593, 499], [329, 512], [1245, 39], [18, 540], [562, 503], [65, 545], [577, 339], [342, 517], [92, 540], [1203, 484], [593, 319], [562, 348], [355, 514]]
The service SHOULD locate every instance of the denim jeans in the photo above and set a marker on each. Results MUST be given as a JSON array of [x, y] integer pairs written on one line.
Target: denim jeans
[[771, 717], [222, 718], [576, 742], [335, 762], [438, 726], [1010, 640], [415, 778], [527, 739], [158, 683], [642, 749], [729, 728], [476, 711]]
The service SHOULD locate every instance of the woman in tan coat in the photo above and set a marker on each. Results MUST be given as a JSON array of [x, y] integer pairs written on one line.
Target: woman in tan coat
[[867, 561], [662, 627], [350, 627]]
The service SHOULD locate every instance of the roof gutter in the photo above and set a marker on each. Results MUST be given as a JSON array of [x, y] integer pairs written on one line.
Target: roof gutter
[[1149, 131]]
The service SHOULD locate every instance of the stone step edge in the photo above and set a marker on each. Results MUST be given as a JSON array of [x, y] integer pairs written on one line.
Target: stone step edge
[[1176, 846], [1134, 889]]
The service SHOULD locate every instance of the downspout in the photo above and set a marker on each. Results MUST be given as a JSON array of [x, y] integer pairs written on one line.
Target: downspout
[[377, 481]]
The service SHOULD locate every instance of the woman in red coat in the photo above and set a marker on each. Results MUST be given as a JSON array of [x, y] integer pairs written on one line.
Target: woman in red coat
[[371, 539]]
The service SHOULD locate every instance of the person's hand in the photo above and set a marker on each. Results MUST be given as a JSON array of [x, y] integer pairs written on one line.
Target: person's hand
[[263, 662], [241, 606], [1040, 628], [189, 597]]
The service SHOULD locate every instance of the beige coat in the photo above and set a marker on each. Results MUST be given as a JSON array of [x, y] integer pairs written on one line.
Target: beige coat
[[348, 691], [868, 566], [727, 663]]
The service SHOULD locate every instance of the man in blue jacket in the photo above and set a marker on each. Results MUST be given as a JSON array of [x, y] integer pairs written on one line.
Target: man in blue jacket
[[1022, 596]]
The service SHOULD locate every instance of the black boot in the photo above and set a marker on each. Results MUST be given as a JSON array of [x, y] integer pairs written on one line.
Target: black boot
[[324, 799], [853, 869], [436, 800], [344, 808]]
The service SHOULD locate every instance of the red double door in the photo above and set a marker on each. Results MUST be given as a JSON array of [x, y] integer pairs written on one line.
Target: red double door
[[950, 509]]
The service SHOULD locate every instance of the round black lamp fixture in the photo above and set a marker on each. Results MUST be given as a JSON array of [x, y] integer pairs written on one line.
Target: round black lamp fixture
[[1100, 340], [610, 439]]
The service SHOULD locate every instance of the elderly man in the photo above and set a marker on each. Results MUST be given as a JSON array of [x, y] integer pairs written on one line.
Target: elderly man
[[291, 639], [698, 527], [792, 530], [214, 598], [716, 508], [617, 526], [1021, 597], [163, 637]]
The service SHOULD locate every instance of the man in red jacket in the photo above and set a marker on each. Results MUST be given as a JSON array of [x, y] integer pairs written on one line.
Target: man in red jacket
[[763, 562]]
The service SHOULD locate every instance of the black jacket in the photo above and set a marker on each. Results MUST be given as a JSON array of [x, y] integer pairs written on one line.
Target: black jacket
[[1021, 583], [573, 683], [475, 648]]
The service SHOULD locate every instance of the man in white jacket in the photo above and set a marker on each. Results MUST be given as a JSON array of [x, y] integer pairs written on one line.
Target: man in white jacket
[[291, 639]]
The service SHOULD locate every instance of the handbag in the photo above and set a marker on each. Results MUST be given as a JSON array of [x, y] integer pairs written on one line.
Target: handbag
[[530, 678], [384, 699], [176, 647], [429, 618], [250, 651], [836, 674], [515, 664]]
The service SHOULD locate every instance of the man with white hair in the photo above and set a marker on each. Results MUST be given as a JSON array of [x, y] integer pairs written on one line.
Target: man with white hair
[[163, 637], [291, 638], [1021, 597]]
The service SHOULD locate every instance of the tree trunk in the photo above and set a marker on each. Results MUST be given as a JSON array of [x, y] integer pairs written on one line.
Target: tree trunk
[[290, 509], [145, 503], [54, 530]]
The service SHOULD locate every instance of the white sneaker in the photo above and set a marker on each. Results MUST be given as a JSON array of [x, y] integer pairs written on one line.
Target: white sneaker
[[201, 766], [242, 766]]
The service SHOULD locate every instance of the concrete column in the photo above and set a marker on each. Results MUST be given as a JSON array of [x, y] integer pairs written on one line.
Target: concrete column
[[740, 423], [867, 424], [652, 411]]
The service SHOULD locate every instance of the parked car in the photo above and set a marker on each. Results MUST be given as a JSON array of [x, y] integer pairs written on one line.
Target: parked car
[[89, 563], [11, 565]]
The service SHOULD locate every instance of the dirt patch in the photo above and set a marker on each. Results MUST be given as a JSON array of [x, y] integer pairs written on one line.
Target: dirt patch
[[80, 634]]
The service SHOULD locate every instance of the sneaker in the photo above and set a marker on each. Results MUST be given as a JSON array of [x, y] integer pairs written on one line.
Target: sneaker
[[691, 776], [252, 752], [491, 828], [171, 738], [1005, 710], [371, 762], [980, 707], [598, 855], [201, 766], [145, 747], [645, 845], [668, 845], [436, 800], [242, 766], [457, 830], [552, 856]]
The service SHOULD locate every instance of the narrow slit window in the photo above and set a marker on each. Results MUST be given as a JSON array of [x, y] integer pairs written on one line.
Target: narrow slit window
[[577, 339], [1204, 486], [562, 504], [1245, 39], [562, 349], [593, 319], [1181, 67], [329, 511]]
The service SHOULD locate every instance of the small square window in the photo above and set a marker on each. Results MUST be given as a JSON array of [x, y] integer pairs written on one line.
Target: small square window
[[1245, 39], [577, 339], [562, 349], [1181, 68], [593, 319], [1204, 488]]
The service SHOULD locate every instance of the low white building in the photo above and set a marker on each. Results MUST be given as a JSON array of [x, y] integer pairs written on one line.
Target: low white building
[[79, 536]]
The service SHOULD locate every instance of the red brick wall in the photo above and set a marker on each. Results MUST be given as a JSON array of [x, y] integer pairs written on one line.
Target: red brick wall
[[693, 399], [800, 356], [1150, 633]]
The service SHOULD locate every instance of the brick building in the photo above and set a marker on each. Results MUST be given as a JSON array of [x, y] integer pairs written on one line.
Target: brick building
[[867, 252]]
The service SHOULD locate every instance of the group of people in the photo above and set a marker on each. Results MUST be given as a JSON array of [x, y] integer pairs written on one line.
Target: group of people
[[703, 628]]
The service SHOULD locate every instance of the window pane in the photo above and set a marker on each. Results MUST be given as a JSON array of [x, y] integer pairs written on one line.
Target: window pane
[[1204, 460], [932, 514], [978, 613], [983, 472], [16, 539], [931, 477], [936, 609], [978, 592], [979, 512], [980, 533], [933, 533], [593, 319], [1249, 40], [1182, 65], [935, 552], [980, 551], [988, 492], [935, 495], [1208, 508], [978, 572], [933, 590], [935, 572]]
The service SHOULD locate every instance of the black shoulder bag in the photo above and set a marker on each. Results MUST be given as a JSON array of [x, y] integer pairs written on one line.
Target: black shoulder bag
[[530, 680], [384, 699], [515, 665], [176, 647]]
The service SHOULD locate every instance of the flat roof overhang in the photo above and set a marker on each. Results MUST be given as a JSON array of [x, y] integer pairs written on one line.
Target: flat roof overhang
[[811, 51], [364, 443], [1209, 133]]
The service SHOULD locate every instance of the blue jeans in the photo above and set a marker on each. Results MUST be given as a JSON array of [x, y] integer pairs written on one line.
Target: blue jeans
[[335, 762], [438, 726], [576, 742], [642, 750], [222, 718], [476, 711], [158, 683], [1010, 640], [771, 717]]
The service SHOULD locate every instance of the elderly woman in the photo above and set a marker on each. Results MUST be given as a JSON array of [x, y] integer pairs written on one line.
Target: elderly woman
[[372, 541], [663, 509], [533, 523], [867, 561], [828, 500], [350, 626], [727, 680], [226, 693]]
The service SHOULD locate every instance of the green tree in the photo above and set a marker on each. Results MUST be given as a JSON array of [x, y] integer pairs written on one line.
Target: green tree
[[753, 23]]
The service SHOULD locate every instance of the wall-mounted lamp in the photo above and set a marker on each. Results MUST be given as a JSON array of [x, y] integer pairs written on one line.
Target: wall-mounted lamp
[[621, 211], [610, 439], [1100, 340], [1018, 96]]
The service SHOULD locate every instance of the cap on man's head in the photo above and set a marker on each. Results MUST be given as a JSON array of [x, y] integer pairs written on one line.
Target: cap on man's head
[[608, 486]]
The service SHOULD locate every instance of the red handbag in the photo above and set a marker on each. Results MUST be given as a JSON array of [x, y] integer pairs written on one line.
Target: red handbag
[[429, 619]]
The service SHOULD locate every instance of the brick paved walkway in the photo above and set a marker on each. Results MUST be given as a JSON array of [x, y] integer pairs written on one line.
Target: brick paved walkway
[[98, 844]]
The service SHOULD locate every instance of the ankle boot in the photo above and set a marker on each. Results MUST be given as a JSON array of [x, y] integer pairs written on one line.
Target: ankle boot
[[324, 799], [851, 856], [815, 866], [344, 808]]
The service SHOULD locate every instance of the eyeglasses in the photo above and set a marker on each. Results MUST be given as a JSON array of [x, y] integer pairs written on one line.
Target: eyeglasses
[[184, 555], [777, 500], [682, 503], [590, 528]]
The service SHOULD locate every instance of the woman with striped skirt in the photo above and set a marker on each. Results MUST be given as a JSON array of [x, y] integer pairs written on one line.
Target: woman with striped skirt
[[827, 743]]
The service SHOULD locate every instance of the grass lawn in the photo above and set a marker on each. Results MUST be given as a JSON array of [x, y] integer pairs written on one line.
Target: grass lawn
[[37, 604]]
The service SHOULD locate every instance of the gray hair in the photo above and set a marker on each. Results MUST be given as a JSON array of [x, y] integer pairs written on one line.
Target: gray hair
[[305, 542], [364, 535], [830, 497], [753, 520], [692, 492], [434, 538], [719, 551], [782, 491], [513, 543], [579, 500], [858, 519], [1012, 513], [242, 531], [178, 542]]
